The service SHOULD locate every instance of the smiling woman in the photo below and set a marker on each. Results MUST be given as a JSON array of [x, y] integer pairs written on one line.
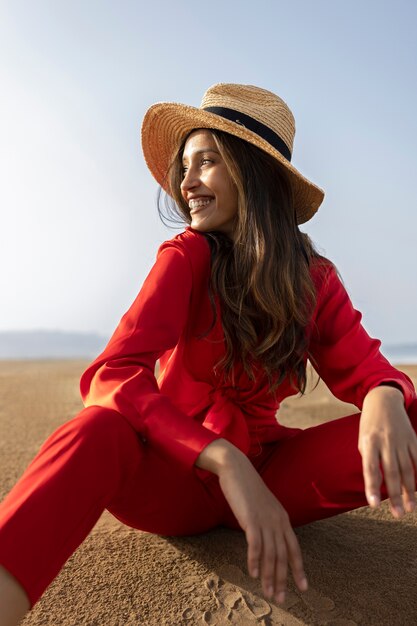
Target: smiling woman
[[233, 308], [207, 186]]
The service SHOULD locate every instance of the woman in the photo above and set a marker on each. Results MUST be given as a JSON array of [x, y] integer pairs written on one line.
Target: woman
[[232, 308]]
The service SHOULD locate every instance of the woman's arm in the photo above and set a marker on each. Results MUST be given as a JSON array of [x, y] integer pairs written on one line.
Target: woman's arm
[[122, 376], [343, 353], [387, 439], [272, 543], [351, 364]]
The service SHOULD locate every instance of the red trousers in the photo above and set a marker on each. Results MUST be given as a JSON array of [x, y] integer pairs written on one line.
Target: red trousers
[[96, 461]]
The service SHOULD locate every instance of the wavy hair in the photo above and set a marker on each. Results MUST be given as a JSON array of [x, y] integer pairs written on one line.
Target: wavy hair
[[262, 277]]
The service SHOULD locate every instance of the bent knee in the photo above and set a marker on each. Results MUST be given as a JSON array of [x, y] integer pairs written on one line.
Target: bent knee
[[98, 421], [99, 429]]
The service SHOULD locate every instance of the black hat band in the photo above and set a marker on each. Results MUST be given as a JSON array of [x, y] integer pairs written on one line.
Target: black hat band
[[251, 124]]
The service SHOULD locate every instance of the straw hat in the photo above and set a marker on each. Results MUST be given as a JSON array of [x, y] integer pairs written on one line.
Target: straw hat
[[253, 114]]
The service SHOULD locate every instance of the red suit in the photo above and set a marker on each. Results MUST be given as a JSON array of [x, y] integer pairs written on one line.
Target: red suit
[[97, 460]]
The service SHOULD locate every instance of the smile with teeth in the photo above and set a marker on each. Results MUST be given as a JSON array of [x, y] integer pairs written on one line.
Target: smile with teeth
[[197, 203]]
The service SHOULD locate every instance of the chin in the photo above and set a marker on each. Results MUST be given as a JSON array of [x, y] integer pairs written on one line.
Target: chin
[[199, 227]]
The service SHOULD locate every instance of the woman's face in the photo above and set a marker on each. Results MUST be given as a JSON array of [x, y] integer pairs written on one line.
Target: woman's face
[[207, 187]]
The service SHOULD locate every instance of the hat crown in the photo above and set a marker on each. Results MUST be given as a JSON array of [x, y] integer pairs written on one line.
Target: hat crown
[[260, 104]]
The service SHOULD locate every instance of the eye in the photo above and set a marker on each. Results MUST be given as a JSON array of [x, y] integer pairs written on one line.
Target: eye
[[206, 160]]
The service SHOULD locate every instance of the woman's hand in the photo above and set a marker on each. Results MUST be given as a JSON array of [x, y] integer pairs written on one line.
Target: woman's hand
[[387, 438], [271, 540]]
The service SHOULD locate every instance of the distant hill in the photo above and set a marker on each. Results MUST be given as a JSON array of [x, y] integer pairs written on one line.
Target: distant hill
[[55, 344], [405, 353]]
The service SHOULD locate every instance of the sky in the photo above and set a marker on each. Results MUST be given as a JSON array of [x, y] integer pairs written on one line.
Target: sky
[[79, 221]]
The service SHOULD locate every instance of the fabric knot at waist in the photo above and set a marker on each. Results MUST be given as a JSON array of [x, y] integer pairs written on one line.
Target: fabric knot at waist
[[242, 414], [226, 418]]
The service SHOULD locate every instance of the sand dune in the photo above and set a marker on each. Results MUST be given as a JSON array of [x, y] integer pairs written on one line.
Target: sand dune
[[362, 566]]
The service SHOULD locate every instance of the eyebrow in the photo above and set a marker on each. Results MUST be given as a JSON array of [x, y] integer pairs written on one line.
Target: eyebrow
[[204, 150]]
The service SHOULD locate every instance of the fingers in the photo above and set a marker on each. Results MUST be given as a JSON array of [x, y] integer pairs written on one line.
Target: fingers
[[399, 475], [409, 478], [254, 540], [281, 571], [274, 565], [400, 480], [392, 477], [371, 474], [388, 442], [296, 561], [268, 556], [407, 484], [409, 501]]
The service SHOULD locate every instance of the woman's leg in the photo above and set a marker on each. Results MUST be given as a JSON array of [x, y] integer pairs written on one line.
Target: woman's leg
[[14, 603], [61, 495], [94, 461], [318, 472]]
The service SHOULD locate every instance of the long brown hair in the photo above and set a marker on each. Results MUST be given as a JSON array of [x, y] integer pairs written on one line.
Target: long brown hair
[[263, 277]]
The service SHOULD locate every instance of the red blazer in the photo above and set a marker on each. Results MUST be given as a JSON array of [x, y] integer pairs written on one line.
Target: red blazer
[[188, 407]]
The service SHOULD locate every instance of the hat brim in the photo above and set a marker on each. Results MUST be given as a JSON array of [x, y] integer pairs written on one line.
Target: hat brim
[[166, 124]]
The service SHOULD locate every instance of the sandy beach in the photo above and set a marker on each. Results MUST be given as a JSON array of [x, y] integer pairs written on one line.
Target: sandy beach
[[362, 566]]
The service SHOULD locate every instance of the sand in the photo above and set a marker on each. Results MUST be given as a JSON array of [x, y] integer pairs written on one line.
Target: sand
[[362, 566]]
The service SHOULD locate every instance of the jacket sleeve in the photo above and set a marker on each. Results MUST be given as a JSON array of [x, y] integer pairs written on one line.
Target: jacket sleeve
[[122, 376], [344, 355]]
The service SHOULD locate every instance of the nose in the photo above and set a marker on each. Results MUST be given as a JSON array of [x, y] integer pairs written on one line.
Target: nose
[[190, 180]]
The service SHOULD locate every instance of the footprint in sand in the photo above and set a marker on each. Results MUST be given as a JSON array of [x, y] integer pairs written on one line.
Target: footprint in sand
[[239, 600], [324, 610], [187, 614], [241, 604]]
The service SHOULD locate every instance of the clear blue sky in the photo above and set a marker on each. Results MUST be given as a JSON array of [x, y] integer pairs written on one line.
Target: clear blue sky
[[79, 225]]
